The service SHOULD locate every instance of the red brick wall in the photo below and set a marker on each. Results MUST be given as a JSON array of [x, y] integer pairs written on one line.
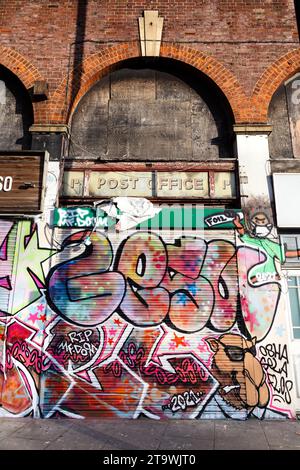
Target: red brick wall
[[243, 37]]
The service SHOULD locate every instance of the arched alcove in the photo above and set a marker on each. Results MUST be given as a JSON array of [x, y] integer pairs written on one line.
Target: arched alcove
[[16, 113], [153, 110], [284, 116]]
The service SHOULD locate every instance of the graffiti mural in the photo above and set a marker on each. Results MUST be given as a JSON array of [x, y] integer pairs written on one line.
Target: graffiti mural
[[143, 323], [275, 361]]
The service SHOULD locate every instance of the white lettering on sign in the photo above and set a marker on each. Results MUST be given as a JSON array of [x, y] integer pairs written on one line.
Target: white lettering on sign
[[179, 184], [109, 183], [124, 183], [160, 184], [73, 183], [6, 183], [224, 184]]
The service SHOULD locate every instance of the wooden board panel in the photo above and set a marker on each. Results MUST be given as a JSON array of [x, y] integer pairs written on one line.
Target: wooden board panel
[[21, 182]]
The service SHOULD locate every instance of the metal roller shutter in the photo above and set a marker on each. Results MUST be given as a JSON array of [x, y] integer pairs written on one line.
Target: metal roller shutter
[[8, 235], [134, 313]]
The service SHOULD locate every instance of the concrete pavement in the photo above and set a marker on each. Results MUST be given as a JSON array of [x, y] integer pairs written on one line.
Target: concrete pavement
[[144, 434]]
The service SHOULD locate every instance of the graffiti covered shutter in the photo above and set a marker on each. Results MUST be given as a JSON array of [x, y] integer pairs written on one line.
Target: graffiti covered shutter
[[23, 321], [8, 233], [135, 312]]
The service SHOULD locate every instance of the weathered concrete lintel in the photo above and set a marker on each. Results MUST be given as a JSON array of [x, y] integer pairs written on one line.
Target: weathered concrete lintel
[[221, 165], [252, 129], [50, 128], [285, 165]]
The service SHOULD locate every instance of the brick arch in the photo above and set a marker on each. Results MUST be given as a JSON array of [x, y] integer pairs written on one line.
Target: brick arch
[[19, 65], [99, 64], [24, 70], [271, 79]]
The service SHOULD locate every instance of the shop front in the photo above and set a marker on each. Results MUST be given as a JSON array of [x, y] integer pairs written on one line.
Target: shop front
[[166, 308]]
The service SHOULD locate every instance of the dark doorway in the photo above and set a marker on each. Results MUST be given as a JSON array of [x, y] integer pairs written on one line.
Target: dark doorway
[[16, 113]]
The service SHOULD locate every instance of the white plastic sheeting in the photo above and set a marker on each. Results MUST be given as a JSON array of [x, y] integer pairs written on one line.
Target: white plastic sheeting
[[129, 211]]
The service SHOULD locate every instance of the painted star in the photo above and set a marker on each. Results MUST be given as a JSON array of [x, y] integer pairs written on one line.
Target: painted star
[[110, 341], [33, 317], [112, 331], [118, 322], [192, 288], [178, 340], [30, 274], [40, 307], [43, 318]]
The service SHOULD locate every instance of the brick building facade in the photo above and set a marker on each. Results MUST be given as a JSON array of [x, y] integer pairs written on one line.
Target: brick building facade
[[161, 320]]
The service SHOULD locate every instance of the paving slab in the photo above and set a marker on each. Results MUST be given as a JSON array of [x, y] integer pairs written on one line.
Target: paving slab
[[15, 443], [123, 427], [83, 435], [43, 429], [10, 425], [282, 435], [131, 439], [244, 435], [131, 444], [191, 428], [83, 439], [184, 443], [113, 427]]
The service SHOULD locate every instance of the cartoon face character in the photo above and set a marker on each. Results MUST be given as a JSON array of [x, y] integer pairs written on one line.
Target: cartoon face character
[[241, 376], [260, 225]]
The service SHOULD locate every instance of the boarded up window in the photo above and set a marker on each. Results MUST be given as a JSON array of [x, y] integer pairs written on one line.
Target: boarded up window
[[153, 111], [15, 113], [284, 115]]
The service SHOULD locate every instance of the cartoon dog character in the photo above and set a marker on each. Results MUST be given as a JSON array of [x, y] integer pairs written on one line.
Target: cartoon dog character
[[240, 375]]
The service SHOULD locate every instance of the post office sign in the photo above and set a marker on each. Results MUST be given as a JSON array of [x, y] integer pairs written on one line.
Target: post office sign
[[132, 183], [151, 184]]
